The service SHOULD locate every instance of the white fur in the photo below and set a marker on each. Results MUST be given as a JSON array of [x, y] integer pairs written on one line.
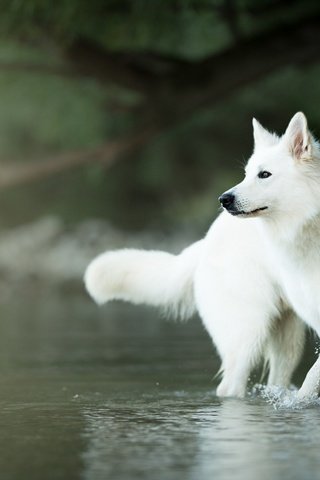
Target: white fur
[[150, 277], [254, 275]]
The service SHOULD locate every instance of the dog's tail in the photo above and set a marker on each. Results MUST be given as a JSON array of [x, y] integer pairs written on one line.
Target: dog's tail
[[151, 277]]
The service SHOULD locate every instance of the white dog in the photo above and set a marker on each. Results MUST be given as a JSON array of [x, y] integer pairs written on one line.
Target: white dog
[[255, 273]]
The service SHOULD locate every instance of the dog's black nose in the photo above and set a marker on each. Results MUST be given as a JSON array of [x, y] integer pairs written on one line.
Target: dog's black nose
[[226, 200]]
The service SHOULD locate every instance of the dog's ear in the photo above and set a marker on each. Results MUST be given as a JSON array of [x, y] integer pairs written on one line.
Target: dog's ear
[[262, 138], [298, 137]]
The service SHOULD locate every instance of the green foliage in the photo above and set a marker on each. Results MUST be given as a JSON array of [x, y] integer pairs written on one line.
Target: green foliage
[[189, 28], [40, 116], [180, 173], [178, 26]]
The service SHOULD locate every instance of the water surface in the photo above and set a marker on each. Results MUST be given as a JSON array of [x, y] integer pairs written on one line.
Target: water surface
[[120, 393]]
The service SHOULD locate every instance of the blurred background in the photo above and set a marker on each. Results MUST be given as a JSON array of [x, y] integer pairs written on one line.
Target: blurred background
[[121, 122], [139, 112], [124, 117]]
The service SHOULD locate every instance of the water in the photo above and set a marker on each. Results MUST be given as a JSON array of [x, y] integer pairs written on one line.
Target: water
[[119, 393]]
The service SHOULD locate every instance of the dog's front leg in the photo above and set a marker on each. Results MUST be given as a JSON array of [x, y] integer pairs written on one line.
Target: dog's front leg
[[311, 385]]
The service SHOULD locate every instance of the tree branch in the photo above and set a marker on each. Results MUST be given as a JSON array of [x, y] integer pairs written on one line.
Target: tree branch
[[14, 174], [179, 89], [158, 75], [206, 82], [162, 75], [129, 70]]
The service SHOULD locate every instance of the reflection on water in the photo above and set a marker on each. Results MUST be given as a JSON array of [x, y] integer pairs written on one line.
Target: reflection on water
[[195, 436], [119, 393]]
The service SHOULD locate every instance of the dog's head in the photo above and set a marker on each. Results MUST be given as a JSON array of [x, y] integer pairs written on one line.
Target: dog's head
[[282, 175]]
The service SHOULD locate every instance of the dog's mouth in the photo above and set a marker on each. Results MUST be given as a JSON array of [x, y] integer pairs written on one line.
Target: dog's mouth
[[252, 213]]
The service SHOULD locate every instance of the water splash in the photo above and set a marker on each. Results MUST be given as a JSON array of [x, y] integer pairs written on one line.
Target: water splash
[[283, 398]]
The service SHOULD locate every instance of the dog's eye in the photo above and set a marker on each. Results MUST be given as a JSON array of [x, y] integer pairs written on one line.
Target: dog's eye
[[264, 174]]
